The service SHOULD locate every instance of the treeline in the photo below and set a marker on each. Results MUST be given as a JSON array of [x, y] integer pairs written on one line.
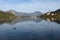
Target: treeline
[[6, 15], [53, 14]]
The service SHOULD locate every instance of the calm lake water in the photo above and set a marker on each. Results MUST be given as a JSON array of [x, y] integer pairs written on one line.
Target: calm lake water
[[30, 29]]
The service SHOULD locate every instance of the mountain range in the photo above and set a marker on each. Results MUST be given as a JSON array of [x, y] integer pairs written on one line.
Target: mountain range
[[37, 13]]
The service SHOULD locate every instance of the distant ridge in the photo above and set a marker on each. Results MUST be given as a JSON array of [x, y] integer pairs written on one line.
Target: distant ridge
[[57, 11], [36, 13]]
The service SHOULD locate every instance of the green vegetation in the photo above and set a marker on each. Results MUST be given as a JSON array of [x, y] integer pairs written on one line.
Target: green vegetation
[[6, 15], [56, 15]]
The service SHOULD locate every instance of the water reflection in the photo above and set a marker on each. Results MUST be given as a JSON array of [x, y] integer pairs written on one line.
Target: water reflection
[[20, 20], [53, 20], [30, 29], [2, 21]]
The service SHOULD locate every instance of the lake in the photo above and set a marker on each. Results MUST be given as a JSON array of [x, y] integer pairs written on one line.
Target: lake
[[30, 29]]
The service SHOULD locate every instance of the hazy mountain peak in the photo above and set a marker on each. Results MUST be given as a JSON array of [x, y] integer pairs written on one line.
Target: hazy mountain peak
[[37, 12], [25, 14], [11, 10]]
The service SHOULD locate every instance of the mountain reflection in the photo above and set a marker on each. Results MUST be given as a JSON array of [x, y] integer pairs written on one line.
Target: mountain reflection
[[19, 20], [2, 21], [28, 19], [53, 20]]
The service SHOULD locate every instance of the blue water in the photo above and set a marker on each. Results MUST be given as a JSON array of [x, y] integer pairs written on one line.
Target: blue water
[[36, 29]]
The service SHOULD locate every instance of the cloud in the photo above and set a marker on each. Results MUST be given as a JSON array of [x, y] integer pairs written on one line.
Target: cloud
[[46, 0], [16, 1], [33, 5]]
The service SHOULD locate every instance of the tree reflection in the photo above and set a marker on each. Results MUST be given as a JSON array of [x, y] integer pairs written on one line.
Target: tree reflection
[[5, 21], [13, 21], [53, 20]]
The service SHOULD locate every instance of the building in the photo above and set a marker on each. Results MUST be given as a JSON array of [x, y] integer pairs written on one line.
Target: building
[[50, 13]]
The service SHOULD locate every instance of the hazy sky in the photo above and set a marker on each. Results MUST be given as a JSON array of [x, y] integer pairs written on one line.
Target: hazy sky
[[29, 5]]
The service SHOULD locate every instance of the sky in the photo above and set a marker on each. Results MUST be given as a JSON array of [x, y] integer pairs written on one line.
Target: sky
[[30, 5]]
